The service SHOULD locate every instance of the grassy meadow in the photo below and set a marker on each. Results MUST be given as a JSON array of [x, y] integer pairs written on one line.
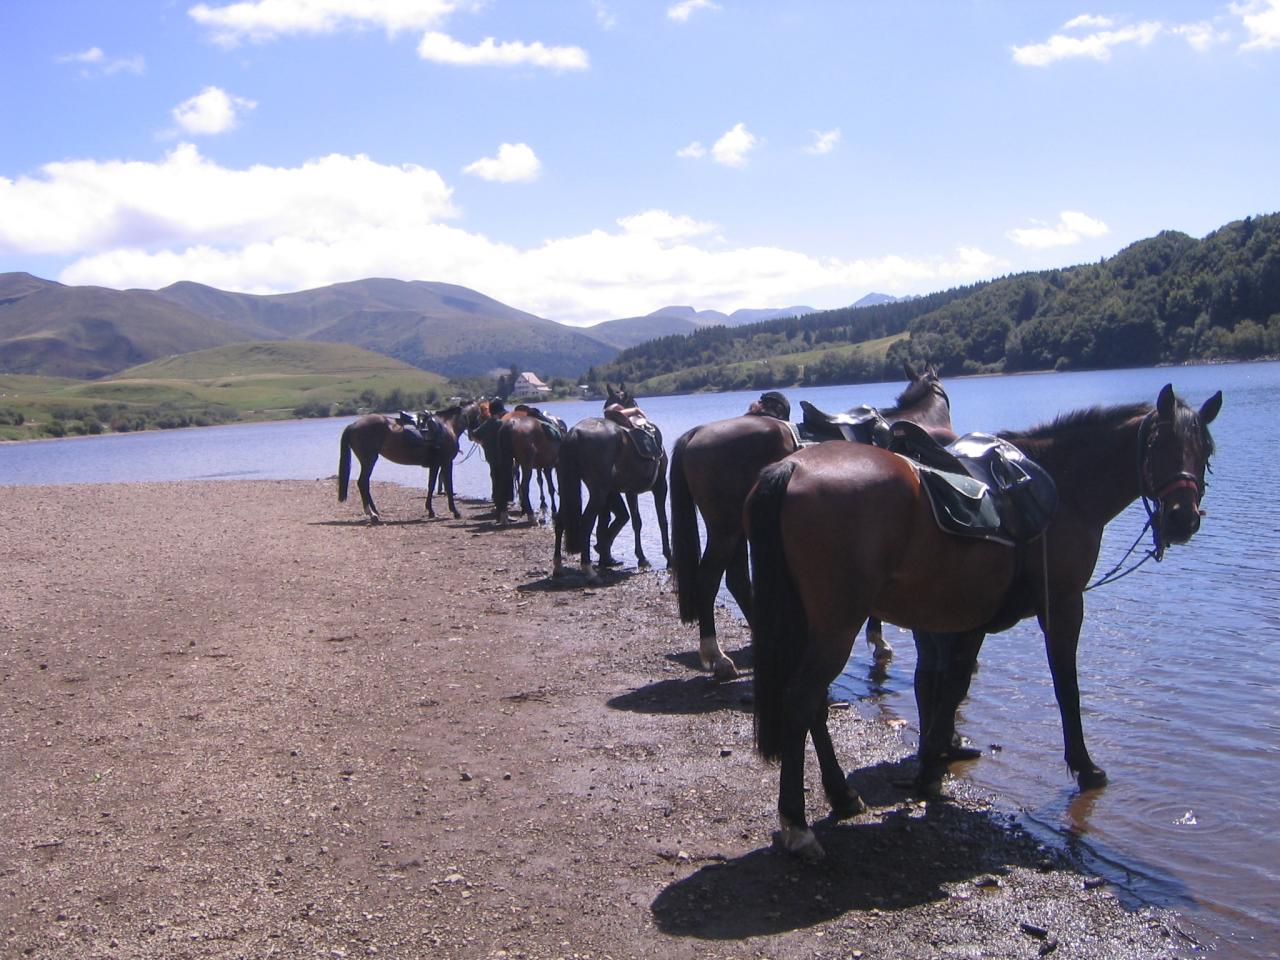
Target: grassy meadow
[[243, 382]]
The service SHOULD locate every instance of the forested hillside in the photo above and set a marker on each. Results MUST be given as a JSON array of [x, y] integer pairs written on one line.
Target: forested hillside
[[1168, 299]]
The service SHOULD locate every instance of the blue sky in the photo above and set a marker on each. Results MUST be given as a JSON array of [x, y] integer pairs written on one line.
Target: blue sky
[[592, 159]]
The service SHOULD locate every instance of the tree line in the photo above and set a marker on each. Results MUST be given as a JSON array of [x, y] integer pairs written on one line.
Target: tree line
[[1167, 299]]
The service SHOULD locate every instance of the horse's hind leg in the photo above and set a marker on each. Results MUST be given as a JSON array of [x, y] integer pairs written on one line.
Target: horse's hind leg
[[711, 568], [881, 650], [362, 482], [944, 669], [844, 800], [633, 502]]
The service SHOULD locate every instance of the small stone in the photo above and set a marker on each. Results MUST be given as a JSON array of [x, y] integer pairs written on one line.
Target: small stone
[[466, 777], [1031, 930]]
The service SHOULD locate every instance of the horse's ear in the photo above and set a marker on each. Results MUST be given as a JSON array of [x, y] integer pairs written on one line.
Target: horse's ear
[[909, 370], [1210, 409], [1165, 402]]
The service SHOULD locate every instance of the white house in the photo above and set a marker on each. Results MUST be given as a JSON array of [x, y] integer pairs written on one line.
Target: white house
[[529, 387]]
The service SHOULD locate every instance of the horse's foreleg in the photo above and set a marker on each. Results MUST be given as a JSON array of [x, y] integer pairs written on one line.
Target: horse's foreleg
[[446, 481], [589, 518], [633, 503], [526, 503], [1061, 640], [612, 518]]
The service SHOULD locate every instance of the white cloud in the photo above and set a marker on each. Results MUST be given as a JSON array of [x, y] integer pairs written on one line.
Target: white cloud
[[682, 11], [824, 141], [211, 111], [96, 63], [1088, 20], [515, 162], [1261, 18], [661, 225], [1096, 46], [1201, 36], [87, 207], [694, 151], [441, 48], [259, 21], [1072, 227], [732, 148], [274, 229], [604, 15]]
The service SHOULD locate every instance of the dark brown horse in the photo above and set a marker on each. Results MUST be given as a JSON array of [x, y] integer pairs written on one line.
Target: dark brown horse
[[613, 463], [842, 531], [379, 435], [525, 442], [713, 466]]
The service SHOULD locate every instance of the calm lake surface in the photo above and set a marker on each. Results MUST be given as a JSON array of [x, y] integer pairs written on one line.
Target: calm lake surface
[[1179, 663]]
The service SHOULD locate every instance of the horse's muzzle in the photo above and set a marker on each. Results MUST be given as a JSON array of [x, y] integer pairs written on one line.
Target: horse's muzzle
[[1180, 521]]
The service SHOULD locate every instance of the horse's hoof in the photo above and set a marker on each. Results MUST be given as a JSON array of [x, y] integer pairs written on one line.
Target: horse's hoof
[[801, 842], [608, 561], [849, 806], [643, 564], [883, 654], [928, 785], [961, 748], [1093, 778], [725, 670]]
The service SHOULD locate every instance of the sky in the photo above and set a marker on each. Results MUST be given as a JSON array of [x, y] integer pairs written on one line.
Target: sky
[[586, 160]]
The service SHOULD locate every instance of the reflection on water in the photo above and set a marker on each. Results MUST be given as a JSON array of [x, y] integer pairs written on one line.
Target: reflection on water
[[1178, 663]]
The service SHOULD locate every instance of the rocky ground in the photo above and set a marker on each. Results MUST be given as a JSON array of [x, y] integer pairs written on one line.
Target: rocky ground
[[237, 721]]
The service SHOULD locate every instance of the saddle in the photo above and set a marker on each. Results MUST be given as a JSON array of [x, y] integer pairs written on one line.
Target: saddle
[[419, 430], [979, 486], [554, 426], [860, 425], [646, 438]]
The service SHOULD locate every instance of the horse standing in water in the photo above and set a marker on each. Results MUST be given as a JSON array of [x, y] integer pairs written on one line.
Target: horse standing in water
[[610, 455], [842, 531], [713, 467], [378, 434]]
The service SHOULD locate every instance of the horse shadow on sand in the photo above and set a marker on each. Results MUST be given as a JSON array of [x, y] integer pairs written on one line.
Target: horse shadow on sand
[[904, 859], [384, 522], [570, 580]]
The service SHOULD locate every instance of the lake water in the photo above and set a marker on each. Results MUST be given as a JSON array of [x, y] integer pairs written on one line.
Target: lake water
[[1179, 663]]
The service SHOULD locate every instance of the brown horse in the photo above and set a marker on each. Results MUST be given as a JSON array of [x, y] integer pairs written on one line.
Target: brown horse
[[842, 531], [377, 434], [611, 462], [525, 440], [713, 466]]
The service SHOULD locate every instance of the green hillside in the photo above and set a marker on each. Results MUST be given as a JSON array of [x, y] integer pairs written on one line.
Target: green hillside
[[256, 381]]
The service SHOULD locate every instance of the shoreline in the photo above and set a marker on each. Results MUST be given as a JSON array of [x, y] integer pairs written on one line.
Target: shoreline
[[242, 722]]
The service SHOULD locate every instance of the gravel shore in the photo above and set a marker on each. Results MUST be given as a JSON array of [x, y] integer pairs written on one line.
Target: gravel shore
[[238, 721]]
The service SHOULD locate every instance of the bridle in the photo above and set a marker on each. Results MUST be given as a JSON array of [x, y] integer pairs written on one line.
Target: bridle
[[1155, 492], [1153, 496]]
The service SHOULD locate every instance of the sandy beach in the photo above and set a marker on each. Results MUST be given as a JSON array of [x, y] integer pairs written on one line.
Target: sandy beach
[[236, 721]]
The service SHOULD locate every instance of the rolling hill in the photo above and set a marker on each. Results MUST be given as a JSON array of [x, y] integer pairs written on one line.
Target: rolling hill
[[675, 321]]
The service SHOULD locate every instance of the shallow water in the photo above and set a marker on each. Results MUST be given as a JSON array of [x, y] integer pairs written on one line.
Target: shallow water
[[1179, 664]]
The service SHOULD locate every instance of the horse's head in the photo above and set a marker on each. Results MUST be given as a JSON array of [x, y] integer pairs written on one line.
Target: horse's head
[[1174, 455], [622, 397], [771, 404], [474, 413], [924, 400]]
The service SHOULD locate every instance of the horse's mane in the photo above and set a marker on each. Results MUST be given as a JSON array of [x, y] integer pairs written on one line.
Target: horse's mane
[[1078, 421], [448, 412], [916, 392]]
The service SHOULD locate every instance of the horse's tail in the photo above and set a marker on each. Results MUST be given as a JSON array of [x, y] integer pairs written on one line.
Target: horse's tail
[[686, 549], [344, 463], [779, 631], [501, 471], [569, 472]]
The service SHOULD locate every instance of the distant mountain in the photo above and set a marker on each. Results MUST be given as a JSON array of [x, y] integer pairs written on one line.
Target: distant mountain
[[874, 299], [669, 321], [54, 330], [86, 332], [741, 318]]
